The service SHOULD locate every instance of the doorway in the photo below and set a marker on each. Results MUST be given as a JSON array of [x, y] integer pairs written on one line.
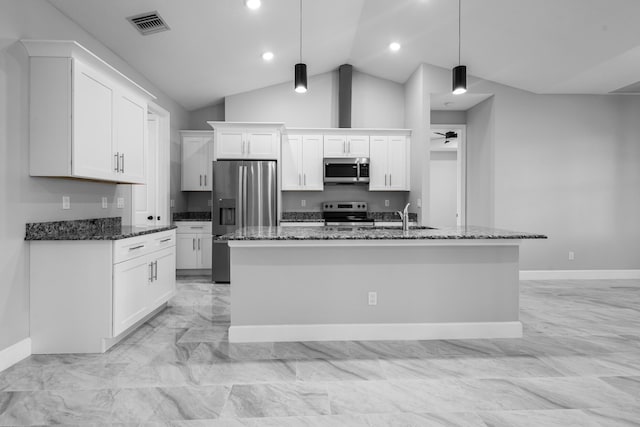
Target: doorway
[[447, 166]]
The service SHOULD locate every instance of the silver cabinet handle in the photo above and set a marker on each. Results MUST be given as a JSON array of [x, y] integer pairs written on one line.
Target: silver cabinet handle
[[305, 179], [390, 180], [385, 179], [136, 247], [248, 146], [349, 147], [344, 146], [205, 180], [199, 227], [122, 165], [242, 147], [117, 162], [198, 243], [194, 243], [165, 240], [150, 272], [155, 276]]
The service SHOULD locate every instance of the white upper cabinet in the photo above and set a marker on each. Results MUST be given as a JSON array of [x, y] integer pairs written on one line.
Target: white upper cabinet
[[389, 163], [87, 120], [247, 140], [302, 163], [197, 158], [346, 146]]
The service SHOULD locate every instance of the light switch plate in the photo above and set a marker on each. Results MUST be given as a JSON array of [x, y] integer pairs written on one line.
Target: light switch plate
[[303, 203], [66, 202], [105, 203], [386, 203], [373, 298], [172, 203], [120, 202], [209, 202]]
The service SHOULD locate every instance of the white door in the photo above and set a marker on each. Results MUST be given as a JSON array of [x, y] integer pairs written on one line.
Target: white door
[[186, 251], [131, 135], [335, 146], [261, 145], [92, 144], [447, 170], [358, 145], [131, 280], [378, 175], [291, 174], [163, 284], [145, 204], [206, 252], [230, 144], [397, 163], [312, 178]]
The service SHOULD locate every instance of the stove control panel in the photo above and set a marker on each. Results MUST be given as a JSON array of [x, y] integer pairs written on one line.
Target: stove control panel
[[344, 207]]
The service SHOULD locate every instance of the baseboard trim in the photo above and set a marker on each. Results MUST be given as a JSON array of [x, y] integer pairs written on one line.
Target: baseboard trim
[[578, 274], [15, 353], [374, 332]]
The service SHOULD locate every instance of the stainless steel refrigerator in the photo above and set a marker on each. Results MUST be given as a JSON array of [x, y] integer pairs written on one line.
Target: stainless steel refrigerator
[[244, 194]]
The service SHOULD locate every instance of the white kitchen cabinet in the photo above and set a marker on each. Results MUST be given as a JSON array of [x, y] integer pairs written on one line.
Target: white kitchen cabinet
[[103, 289], [389, 163], [87, 120], [194, 245], [197, 158], [302, 163], [346, 145], [247, 140]]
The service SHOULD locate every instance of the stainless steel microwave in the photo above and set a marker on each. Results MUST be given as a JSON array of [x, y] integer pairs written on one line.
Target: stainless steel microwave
[[346, 170]]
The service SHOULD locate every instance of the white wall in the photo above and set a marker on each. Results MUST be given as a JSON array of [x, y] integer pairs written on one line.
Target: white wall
[[23, 198], [448, 117], [376, 103], [198, 118]]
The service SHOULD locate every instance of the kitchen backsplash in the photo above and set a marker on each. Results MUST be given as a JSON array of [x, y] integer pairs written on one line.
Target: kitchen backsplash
[[292, 200]]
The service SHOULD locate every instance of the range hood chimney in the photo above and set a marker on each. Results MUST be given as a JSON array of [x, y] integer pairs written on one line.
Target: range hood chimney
[[345, 80]]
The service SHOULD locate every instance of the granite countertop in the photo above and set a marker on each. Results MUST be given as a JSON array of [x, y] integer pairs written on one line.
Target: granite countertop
[[192, 216], [373, 233], [88, 229]]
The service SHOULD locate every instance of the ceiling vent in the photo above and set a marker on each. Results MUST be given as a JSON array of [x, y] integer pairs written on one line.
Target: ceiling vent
[[148, 23]]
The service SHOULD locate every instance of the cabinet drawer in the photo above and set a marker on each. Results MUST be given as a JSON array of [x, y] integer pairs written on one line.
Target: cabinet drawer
[[134, 247], [193, 227]]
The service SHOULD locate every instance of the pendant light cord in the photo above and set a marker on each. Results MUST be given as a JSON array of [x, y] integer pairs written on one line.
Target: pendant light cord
[[300, 30], [459, 25]]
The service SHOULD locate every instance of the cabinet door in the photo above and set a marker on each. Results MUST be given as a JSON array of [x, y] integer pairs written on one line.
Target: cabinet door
[[187, 251], [209, 155], [194, 153], [131, 280], [335, 146], [206, 252], [398, 163], [261, 145], [378, 174], [92, 121], [163, 285], [230, 144], [131, 137], [312, 176], [358, 145], [291, 154]]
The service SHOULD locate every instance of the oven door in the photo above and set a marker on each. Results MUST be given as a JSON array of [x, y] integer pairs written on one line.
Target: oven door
[[340, 170]]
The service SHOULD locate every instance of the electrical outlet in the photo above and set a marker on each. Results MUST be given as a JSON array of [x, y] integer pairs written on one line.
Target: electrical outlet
[[373, 298], [172, 203], [572, 256], [66, 202], [209, 202], [120, 202], [105, 203], [419, 203], [386, 203], [303, 203]]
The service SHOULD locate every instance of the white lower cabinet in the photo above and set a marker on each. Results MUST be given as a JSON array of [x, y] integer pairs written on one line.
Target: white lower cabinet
[[86, 295], [194, 240]]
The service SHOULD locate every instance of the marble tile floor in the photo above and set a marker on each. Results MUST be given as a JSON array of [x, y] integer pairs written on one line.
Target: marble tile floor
[[578, 364]]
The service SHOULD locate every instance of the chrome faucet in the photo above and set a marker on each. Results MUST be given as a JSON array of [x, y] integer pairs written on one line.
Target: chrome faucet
[[404, 216]]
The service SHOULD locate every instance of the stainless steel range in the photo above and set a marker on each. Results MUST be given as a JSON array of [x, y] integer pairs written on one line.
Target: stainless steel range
[[346, 213]]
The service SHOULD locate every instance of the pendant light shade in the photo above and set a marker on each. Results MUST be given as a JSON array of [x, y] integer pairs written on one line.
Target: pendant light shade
[[459, 79], [459, 72], [300, 71], [300, 82]]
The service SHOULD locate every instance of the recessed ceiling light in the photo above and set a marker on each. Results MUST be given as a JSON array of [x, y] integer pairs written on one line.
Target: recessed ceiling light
[[252, 4], [267, 56], [395, 46]]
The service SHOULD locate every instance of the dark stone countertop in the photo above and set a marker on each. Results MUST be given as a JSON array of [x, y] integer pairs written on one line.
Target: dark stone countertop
[[374, 233], [191, 216], [88, 229]]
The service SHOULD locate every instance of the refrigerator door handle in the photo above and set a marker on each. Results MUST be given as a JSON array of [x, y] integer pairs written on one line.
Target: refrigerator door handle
[[240, 206], [245, 172]]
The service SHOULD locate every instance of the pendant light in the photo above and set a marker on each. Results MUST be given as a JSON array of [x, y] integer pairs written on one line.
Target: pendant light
[[459, 72], [300, 71]]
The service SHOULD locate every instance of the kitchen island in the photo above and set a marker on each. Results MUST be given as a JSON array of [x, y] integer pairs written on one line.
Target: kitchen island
[[363, 283]]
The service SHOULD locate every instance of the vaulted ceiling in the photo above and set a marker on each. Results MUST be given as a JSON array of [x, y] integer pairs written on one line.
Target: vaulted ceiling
[[214, 47]]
